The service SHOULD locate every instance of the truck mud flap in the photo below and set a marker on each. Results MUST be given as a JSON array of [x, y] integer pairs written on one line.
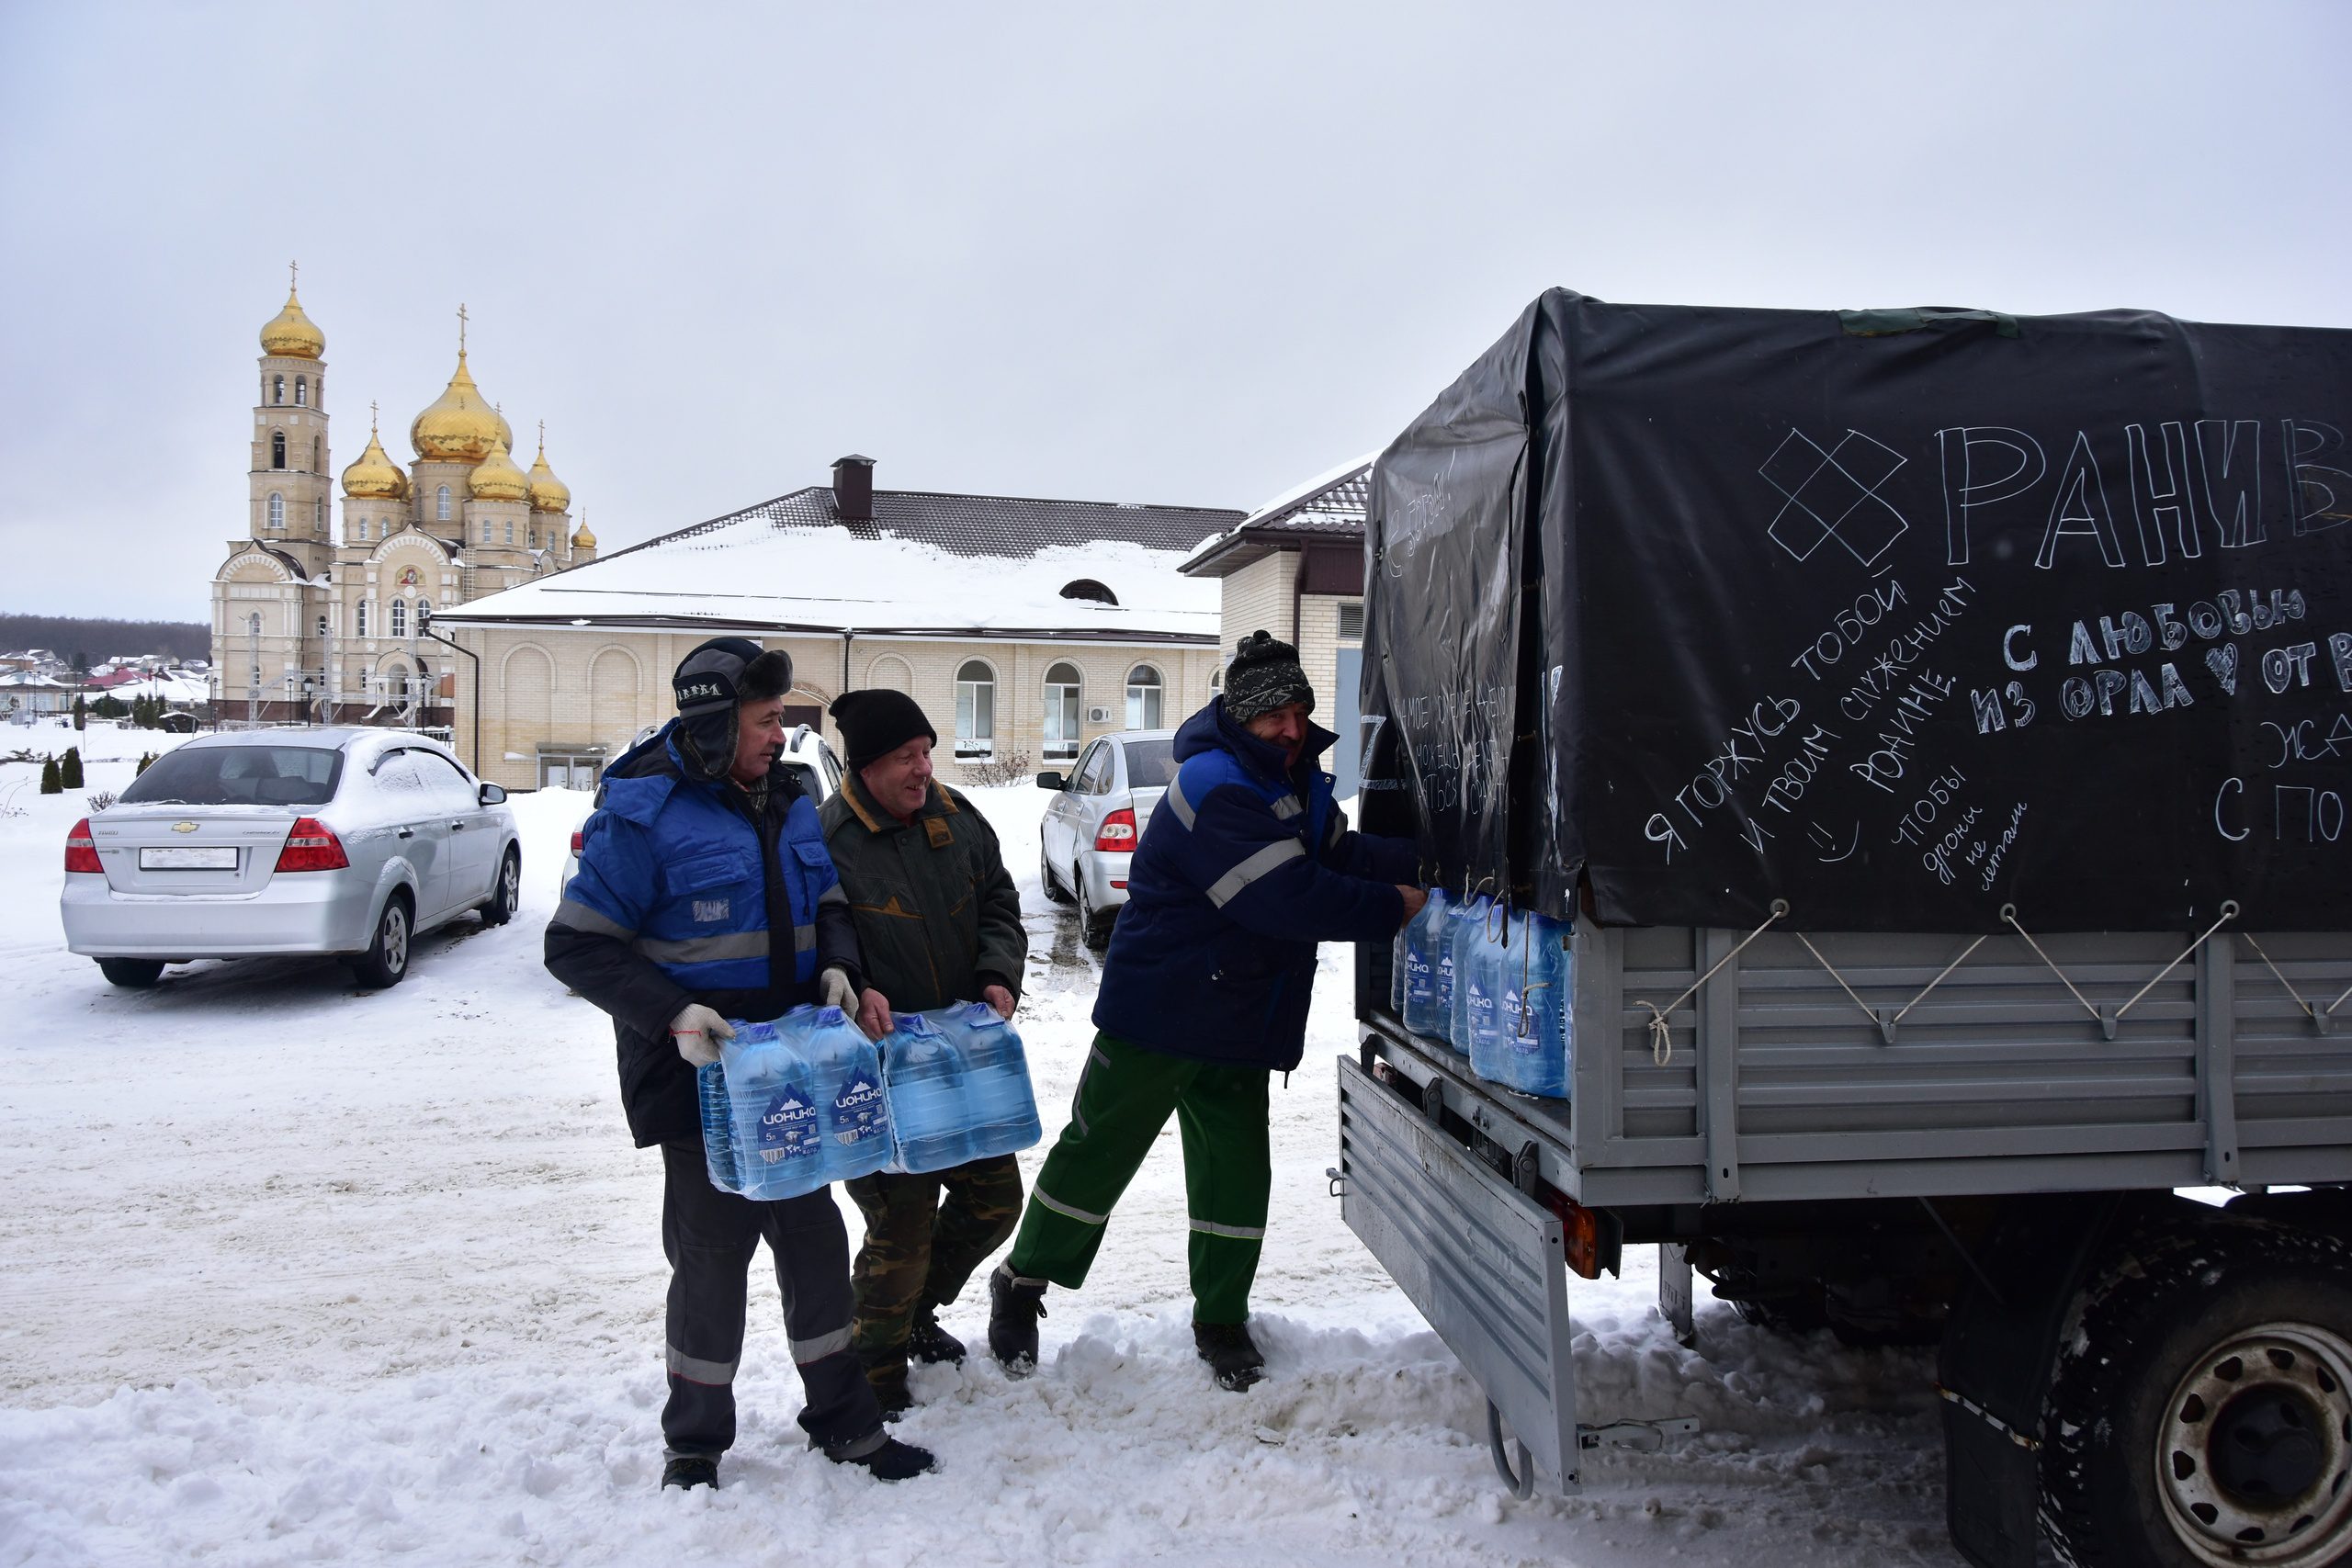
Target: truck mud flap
[[1483, 1262]]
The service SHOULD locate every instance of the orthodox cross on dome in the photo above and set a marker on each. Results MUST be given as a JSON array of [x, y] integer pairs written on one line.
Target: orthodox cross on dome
[[543, 438], [293, 274], [461, 327], [371, 417]]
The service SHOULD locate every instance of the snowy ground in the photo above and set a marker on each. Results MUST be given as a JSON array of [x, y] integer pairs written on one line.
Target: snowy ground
[[294, 1274]]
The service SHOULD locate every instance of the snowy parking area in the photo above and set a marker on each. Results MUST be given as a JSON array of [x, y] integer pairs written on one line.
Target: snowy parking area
[[294, 1273]]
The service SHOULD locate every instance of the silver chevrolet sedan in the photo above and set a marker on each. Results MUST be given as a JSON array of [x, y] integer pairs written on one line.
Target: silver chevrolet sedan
[[332, 841]]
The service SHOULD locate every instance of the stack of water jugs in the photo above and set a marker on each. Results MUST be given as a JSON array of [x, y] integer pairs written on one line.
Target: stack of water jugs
[[1492, 983], [807, 1099]]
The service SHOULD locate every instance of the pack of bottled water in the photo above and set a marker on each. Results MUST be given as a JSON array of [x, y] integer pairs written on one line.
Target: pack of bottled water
[[1525, 1042], [1469, 935], [958, 1082], [1426, 966], [793, 1104]]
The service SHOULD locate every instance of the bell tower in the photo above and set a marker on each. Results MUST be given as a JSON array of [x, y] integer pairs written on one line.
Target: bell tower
[[291, 492]]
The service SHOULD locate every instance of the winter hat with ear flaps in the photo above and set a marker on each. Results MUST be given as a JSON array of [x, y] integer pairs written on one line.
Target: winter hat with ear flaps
[[710, 683], [1263, 676]]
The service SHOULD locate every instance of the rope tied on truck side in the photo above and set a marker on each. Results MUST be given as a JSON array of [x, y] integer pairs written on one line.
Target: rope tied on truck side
[[1661, 1042]]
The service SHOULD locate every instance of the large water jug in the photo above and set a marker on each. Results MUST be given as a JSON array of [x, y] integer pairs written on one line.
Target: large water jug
[[1478, 981], [848, 1070], [717, 1128], [1466, 928], [930, 1110], [1533, 1052], [1004, 1106], [774, 1093], [1420, 953]]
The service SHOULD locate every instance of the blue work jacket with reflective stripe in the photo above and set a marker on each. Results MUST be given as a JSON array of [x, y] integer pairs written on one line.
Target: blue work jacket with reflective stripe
[[1245, 866]]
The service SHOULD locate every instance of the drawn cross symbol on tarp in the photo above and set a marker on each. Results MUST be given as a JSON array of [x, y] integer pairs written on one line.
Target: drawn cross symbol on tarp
[[1833, 494]]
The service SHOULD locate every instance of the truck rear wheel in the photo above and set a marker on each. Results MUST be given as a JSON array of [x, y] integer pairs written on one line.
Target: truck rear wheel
[[2202, 1415]]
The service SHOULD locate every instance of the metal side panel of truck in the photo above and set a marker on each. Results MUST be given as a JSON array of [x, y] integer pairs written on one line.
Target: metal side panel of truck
[[1786, 1082]]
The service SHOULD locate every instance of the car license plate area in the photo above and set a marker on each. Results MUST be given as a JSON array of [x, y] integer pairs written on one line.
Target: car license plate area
[[188, 857]]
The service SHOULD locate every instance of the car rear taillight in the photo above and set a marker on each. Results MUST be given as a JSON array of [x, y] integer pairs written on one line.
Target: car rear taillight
[[1117, 832], [312, 846], [81, 850], [577, 834]]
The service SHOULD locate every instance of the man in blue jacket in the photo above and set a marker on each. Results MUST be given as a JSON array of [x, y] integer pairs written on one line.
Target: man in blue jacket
[[705, 893], [1245, 866]]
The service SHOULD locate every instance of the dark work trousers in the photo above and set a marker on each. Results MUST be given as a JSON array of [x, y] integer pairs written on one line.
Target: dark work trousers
[[918, 1251], [710, 1236]]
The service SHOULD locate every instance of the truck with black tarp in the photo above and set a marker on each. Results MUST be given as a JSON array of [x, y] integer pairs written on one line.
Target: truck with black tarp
[[1933, 729]]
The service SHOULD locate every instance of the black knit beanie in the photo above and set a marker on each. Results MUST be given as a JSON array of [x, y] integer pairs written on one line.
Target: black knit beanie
[[1263, 676], [877, 721]]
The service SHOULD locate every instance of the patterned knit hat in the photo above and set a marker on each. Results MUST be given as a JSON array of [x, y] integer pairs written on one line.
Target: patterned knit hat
[[1263, 676]]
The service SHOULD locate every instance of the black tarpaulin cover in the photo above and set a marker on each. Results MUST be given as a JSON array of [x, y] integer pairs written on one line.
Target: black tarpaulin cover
[[1900, 617]]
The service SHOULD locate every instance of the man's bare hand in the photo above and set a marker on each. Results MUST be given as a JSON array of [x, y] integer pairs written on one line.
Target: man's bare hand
[[873, 1013], [1414, 899], [997, 997]]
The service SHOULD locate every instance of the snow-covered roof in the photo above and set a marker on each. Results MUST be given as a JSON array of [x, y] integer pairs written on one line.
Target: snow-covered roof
[[1330, 505], [926, 566]]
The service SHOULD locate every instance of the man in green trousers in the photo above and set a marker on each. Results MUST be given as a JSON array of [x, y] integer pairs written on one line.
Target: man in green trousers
[[938, 922], [1245, 864]]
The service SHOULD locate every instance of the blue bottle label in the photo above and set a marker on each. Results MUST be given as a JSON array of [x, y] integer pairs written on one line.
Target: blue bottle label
[[859, 1110], [788, 1127]]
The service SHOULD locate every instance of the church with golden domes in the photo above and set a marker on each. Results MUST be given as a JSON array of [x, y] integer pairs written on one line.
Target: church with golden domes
[[316, 622]]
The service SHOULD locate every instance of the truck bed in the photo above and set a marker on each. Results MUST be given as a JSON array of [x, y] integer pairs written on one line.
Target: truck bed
[[1775, 1084]]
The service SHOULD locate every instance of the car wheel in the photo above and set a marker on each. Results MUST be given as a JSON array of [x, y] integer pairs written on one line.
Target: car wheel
[[386, 960], [506, 895], [2205, 1416], [1093, 926], [1053, 891], [136, 973]]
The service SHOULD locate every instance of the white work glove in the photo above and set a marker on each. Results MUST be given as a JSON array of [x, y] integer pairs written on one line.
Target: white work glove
[[697, 1032], [833, 990]]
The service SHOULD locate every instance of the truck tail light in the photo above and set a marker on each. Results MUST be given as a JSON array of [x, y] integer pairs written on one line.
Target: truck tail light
[[1117, 832], [312, 846], [81, 850], [1595, 1241]]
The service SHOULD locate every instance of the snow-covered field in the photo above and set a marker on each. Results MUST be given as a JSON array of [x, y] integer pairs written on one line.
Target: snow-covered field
[[289, 1273]]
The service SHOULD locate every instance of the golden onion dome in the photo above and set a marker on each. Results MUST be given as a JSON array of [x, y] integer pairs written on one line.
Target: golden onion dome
[[497, 478], [375, 477], [459, 426], [583, 539], [548, 493], [291, 335]]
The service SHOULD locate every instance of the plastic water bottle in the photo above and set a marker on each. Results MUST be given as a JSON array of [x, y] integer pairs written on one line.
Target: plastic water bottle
[[1004, 1106], [717, 1128], [1465, 929], [848, 1079], [930, 1110], [1477, 982], [779, 1141], [1531, 1051], [1427, 999]]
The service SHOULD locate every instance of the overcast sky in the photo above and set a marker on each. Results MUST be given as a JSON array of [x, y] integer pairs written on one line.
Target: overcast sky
[[1182, 254]]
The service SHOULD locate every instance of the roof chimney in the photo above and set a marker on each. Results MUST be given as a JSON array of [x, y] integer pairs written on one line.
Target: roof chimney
[[854, 489]]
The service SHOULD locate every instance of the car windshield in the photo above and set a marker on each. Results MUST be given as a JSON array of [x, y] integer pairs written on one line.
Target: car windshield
[[239, 775], [1150, 764]]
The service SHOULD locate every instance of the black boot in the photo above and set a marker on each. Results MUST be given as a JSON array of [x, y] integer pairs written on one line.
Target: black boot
[[1014, 1306], [1231, 1354], [932, 1345], [686, 1472], [890, 1460]]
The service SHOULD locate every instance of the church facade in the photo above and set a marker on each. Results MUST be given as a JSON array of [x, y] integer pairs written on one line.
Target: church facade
[[324, 622]]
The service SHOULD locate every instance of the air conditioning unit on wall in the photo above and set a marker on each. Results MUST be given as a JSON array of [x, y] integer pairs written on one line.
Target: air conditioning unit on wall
[[1098, 715]]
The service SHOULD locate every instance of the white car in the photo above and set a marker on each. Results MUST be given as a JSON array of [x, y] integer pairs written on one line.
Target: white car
[[805, 751], [1097, 818], [345, 842]]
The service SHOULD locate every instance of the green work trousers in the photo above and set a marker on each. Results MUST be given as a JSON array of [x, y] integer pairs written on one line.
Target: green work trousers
[[1124, 1098]]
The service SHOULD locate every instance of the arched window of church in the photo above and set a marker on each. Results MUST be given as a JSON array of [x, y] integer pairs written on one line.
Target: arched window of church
[[485, 532], [362, 531], [318, 517], [322, 626], [302, 392], [277, 448], [399, 617], [360, 615], [277, 510], [277, 388], [510, 530], [318, 455], [441, 505]]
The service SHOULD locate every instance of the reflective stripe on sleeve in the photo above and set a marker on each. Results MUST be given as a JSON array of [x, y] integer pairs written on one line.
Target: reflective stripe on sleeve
[[1337, 830], [833, 895], [1080, 1215], [708, 949], [807, 1350], [804, 939], [1238, 1233], [1286, 808], [1178, 804], [1224, 888], [581, 918], [693, 1368]]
